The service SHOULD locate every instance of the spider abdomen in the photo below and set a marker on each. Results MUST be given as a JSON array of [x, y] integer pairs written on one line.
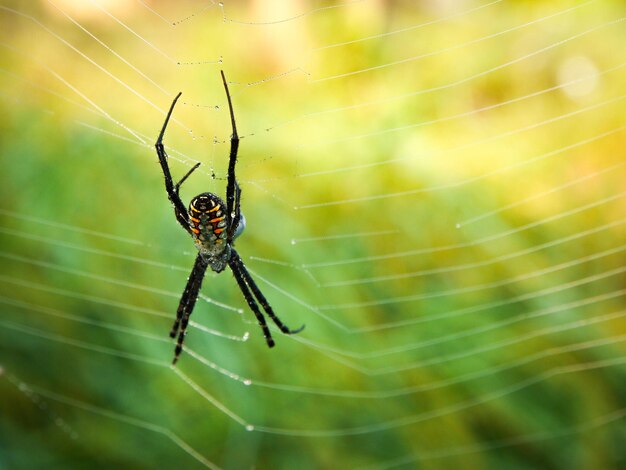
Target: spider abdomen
[[207, 220]]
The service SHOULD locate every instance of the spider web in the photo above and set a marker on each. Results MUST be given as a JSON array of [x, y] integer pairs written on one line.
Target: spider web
[[434, 189]]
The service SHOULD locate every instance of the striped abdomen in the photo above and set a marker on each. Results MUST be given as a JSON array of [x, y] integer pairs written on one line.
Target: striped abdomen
[[207, 214]]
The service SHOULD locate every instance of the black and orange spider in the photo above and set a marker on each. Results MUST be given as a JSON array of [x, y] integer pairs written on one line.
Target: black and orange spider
[[214, 227]]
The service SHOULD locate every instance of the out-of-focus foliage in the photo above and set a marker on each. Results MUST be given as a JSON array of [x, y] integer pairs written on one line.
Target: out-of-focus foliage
[[504, 351]]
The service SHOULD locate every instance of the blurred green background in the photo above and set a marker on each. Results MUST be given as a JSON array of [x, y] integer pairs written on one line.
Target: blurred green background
[[434, 188]]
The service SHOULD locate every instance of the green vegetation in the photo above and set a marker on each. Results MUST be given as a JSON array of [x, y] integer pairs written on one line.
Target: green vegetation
[[504, 350]]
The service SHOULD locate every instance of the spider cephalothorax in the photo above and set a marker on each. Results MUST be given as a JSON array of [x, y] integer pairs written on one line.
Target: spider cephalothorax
[[214, 225]]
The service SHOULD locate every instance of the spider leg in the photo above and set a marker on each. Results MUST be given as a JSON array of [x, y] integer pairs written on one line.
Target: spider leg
[[182, 180], [232, 188], [182, 306], [232, 228], [236, 268], [187, 303], [172, 192], [260, 297]]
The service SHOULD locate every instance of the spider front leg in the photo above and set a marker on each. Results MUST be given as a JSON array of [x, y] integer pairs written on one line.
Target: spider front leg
[[247, 284], [234, 266], [187, 303], [172, 191]]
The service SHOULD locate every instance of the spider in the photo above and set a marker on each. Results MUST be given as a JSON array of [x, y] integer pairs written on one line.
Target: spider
[[214, 227]]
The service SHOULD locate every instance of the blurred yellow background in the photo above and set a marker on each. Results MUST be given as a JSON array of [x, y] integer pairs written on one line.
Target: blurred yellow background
[[436, 189]]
